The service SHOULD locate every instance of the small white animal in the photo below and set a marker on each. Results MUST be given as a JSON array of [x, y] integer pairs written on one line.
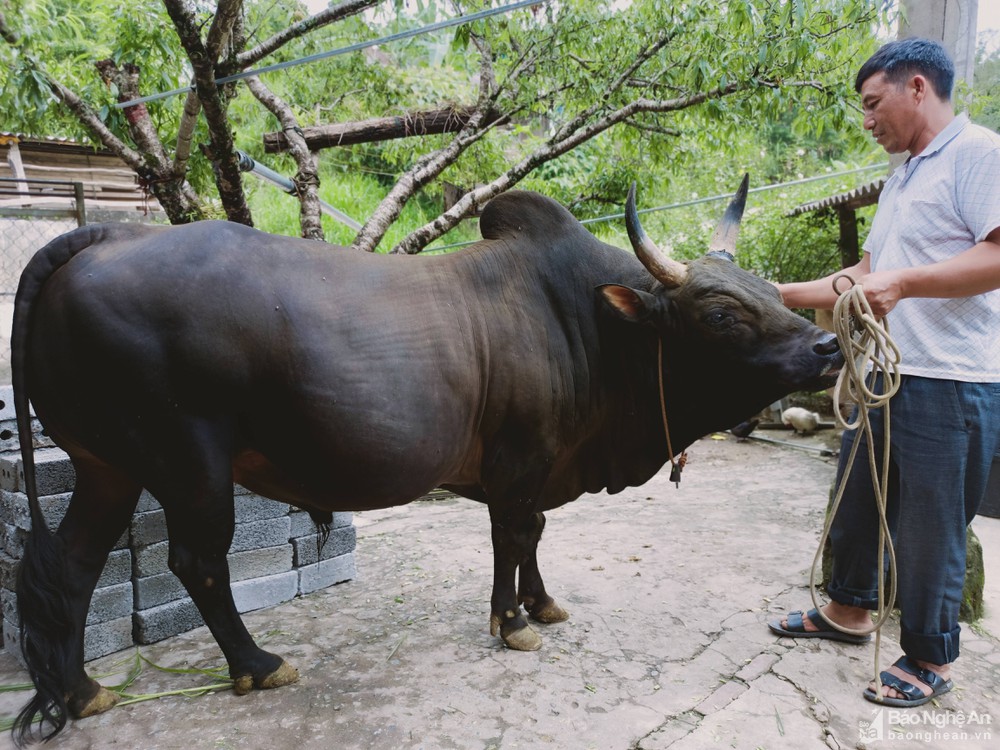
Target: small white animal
[[801, 420]]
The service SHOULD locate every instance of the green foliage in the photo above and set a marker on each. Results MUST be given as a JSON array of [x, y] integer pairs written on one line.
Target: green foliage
[[985, 107]]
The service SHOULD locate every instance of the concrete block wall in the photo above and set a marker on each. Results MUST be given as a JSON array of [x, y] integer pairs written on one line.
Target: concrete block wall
[[275, 556]]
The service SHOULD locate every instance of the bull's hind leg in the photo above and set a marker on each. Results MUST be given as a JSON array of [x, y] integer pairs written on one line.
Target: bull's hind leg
[[530, 588], [55, 586], [197, 500]]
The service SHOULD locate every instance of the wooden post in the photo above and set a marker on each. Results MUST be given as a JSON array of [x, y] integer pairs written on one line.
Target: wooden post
[[847, 219]]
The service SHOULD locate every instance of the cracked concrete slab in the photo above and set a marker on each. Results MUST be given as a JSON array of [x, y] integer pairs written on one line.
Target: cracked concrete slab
[[668, 591]]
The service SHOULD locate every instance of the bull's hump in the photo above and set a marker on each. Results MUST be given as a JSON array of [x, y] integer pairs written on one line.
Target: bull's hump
[[522, 213]]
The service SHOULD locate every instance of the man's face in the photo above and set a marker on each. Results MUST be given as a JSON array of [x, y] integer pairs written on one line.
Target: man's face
[[890, 112]]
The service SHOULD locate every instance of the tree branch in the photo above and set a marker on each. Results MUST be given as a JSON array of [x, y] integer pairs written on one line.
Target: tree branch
[[222, 27], [337, 13], [406, 125], [307, 178], [431, 165], [556, 146]]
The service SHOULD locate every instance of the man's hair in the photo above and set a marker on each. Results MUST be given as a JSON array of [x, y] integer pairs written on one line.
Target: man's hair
[[908, 57]]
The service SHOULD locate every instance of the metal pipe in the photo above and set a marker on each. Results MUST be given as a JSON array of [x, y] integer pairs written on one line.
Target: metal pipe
[[248, 164]]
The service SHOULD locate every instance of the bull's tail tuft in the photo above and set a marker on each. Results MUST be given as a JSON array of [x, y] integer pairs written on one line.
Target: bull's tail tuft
[[44, 618]]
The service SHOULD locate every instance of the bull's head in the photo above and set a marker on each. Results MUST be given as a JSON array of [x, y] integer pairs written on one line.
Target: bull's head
[[722, 326]]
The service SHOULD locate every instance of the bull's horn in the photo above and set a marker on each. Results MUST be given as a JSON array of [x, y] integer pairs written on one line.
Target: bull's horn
[[664, 269], [723, 240]]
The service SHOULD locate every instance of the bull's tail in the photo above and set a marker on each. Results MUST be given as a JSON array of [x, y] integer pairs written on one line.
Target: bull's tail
[[42, 604]]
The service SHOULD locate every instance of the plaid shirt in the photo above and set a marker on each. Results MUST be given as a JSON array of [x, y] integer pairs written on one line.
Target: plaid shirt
[[933, 207]]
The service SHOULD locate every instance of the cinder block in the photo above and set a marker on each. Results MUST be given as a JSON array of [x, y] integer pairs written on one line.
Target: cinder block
[[54, 472], [12, 540], [326, 573], [98, 640], [107, 638], [340, 542], [111, 603], [157, 623], [153, 591], [258, 593], [148, 528], [270, 532], [303, 525], [108, 603], [14, 510], [8, 604], [8, 471], [118, 569], [152, 561], [8, 570], [256, 563], [9, 442], [12, 640], [251, 507], [146, 503]]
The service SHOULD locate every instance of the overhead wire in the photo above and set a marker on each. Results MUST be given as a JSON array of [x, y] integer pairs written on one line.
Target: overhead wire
[[448, 23], [697, 201]]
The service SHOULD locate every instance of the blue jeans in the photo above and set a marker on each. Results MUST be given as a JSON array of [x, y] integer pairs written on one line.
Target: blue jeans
[[943, 435]]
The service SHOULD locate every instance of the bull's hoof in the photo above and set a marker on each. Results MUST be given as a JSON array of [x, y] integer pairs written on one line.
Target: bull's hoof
[[524, 639], [285, 674], [102, 701], [243, 685], [550, 613], [521, 638]]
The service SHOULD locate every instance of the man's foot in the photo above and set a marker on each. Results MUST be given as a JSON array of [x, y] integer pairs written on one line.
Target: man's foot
[[911, 682], [812, 625]]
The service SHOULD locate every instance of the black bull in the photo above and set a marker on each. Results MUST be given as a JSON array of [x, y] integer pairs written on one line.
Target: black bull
[[520, 372]]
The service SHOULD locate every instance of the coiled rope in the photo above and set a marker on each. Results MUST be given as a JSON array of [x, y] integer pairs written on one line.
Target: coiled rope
[[869, 352]]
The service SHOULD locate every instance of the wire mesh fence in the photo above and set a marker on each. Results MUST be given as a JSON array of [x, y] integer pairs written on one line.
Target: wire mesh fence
[[32, 212]]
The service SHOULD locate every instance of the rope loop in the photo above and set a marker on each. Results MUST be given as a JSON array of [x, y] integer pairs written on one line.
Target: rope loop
[[867, 348]]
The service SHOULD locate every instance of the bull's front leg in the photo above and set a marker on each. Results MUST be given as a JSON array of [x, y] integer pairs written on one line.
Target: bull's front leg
[[512, 542]]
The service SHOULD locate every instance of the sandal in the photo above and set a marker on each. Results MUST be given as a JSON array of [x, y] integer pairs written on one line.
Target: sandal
[[796, 628], [914, 696]]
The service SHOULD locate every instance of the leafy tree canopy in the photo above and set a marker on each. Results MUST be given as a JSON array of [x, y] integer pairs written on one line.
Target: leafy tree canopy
[[586, 96]]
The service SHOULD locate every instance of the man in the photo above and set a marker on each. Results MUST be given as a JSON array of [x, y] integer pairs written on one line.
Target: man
[[931, 265]]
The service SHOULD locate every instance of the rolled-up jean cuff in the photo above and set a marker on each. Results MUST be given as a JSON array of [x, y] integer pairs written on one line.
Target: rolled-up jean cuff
[[936, 648], [863, 599]]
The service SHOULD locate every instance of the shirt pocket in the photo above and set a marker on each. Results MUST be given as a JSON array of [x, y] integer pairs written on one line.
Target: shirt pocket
[[927, 227]]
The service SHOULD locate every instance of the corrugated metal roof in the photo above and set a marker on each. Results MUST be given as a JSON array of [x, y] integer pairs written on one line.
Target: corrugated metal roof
[[866, 195]]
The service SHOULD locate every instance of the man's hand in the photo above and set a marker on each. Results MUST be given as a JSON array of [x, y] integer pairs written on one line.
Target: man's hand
[[883, 290]]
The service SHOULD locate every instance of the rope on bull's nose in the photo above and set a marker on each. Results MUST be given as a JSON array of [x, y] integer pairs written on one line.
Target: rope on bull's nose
[[871, 361]]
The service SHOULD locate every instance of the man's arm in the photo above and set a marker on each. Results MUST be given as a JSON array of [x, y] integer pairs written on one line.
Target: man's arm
[[819, 294]]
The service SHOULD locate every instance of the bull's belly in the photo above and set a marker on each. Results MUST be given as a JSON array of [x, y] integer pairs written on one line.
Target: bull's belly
[[315, 487]]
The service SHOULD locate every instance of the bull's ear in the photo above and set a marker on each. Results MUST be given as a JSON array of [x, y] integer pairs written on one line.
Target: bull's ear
[[630, 304]]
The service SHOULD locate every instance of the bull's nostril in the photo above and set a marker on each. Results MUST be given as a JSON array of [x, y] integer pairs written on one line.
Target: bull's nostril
[[827, 345]]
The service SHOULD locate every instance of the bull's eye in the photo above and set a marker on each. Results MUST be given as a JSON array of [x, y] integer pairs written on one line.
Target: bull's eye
[[718, 320]]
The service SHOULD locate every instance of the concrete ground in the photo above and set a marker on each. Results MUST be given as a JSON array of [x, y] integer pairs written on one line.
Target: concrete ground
[[668, 589]]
